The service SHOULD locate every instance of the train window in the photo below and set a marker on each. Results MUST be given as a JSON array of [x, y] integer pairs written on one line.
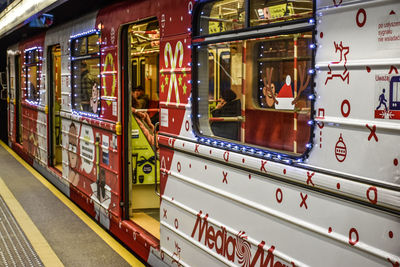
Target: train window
[[221, 16], [85, 65], [32, 92], [256, 90], [272, 11]]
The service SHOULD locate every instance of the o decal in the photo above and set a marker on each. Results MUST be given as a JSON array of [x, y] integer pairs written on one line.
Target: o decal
[[279, 195], [373, 200], [187, 126], [362, 12], [179, 167], [351, 240], [176, 223], [346, 112]]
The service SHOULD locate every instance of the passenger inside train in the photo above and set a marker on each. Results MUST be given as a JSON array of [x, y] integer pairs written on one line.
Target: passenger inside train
[[228, 106]]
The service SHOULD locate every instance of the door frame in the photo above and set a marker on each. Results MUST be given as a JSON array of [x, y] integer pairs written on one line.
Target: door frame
[[50, 101]]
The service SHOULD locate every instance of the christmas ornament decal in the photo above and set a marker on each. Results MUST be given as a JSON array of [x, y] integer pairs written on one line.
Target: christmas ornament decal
[[340, 149]]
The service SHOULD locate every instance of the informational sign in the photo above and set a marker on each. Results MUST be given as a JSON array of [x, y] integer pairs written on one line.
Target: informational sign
[[105, 145], [387, 97], [87, 148]]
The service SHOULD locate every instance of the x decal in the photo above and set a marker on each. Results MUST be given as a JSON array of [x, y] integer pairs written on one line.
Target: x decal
[[263, 162], [225, 180], [196, 148], [309, 176], [303, 200], [165, 213], [372, 134]]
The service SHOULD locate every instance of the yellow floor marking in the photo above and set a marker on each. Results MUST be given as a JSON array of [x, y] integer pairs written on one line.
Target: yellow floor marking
[[147, 222], [117, 247], [39, 243]]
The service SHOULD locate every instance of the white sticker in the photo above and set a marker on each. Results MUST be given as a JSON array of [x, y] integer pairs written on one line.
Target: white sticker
[[164, 117], [105, 143], [114, 108], [87, 148], [389, 31]]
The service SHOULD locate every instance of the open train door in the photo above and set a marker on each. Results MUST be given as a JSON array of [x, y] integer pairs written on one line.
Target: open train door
[[54, 93], [141, 108]]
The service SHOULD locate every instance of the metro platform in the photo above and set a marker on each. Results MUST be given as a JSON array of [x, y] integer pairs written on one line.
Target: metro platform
[[39, 226]]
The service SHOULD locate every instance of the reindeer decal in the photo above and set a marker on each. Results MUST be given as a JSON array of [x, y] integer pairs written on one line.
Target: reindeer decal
[[284, 99], [341, 64]]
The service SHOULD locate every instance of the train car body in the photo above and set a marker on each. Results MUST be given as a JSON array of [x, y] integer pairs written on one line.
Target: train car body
[[273, 133]]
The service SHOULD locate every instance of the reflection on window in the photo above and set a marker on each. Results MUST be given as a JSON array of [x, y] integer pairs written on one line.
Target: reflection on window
[[222, 87], [85, 74], [144, 53], [272, 11], [32, 92], [221, 16], [278, 117], [32, 84]]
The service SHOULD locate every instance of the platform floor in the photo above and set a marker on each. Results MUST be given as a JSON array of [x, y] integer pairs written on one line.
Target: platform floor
[[54, 231]]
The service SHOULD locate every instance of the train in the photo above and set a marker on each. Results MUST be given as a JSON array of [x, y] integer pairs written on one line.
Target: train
[[221, 132]]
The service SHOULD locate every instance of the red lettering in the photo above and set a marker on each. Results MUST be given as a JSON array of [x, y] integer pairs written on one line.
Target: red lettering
[[202, 227], [263, 162], [220, 235], [210, 236], [196, 148], [232, 241], [260, 253]]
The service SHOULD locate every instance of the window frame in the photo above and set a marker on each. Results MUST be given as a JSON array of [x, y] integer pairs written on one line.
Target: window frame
[[199, 5], [29, 63], [76, 59], [246, 33]]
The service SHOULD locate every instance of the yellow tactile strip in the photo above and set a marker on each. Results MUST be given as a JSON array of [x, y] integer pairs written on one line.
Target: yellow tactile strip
[[114, 244], [38, 242]]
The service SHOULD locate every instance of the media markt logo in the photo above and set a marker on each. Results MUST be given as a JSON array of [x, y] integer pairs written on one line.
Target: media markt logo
[[234, 248]]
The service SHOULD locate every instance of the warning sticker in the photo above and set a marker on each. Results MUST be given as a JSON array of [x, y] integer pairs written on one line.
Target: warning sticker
[[388, 34]]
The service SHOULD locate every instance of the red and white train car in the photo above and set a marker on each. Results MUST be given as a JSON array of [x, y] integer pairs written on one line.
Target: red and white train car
[[266, 134]]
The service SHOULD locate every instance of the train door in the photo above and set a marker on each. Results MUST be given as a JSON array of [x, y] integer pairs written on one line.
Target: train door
[[141, 120], [54, 94], [18, 113]]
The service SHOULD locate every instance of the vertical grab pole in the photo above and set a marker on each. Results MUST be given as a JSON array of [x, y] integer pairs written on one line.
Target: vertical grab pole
[[295, 93], [243, 101]]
